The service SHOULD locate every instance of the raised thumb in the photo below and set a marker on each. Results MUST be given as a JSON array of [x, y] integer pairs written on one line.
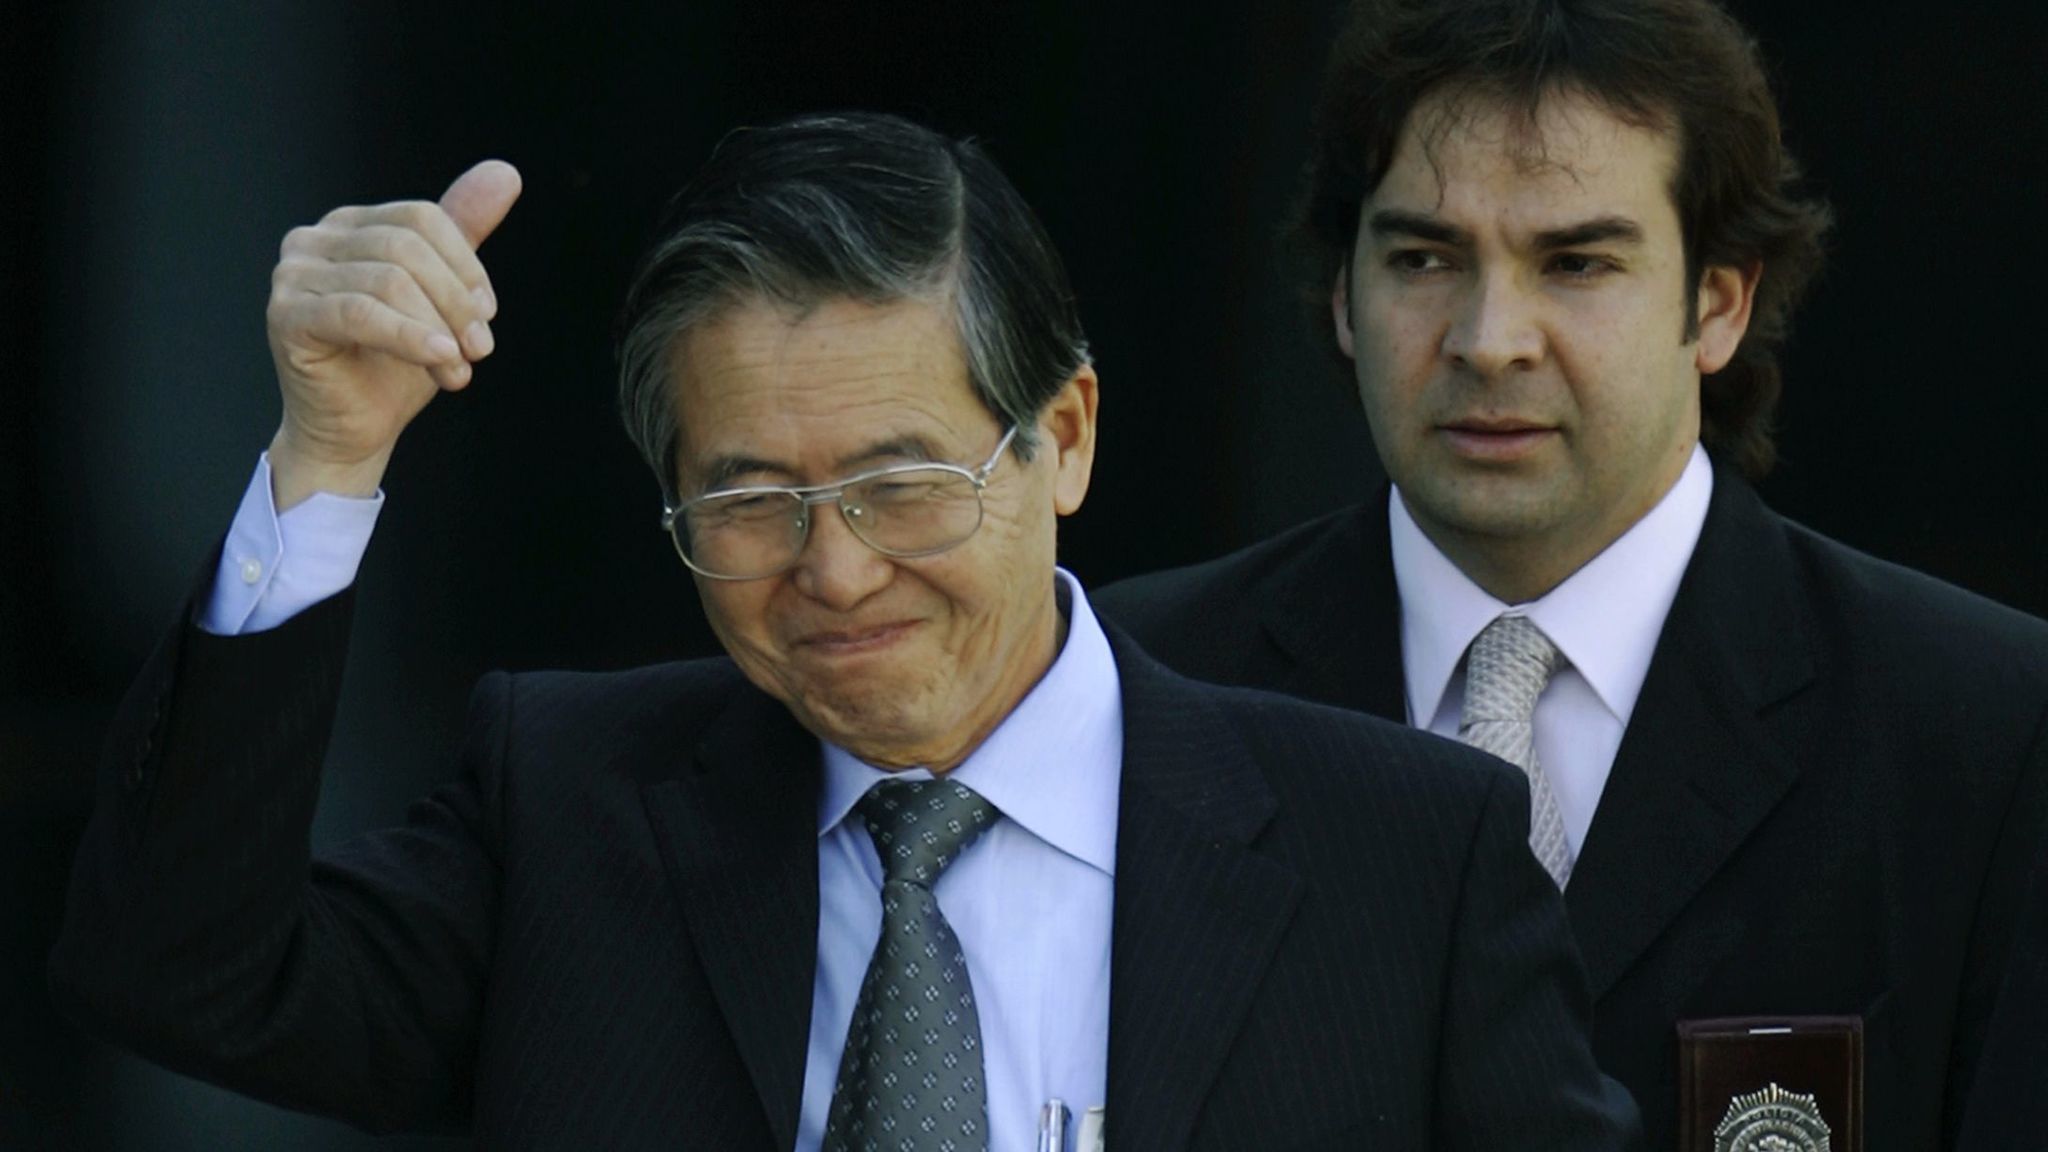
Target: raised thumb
[[480, 197]]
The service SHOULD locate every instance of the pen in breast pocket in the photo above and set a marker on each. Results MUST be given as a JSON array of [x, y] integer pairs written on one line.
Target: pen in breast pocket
[[1052, 1126]]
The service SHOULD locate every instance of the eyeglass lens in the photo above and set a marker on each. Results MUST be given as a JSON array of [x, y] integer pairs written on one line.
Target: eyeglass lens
[[913, 512]]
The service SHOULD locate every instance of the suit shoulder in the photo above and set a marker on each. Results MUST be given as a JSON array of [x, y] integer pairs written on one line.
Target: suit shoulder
[[1309, 746], [679, 695], [1917, 623], [1365, 791], [1160, 603]]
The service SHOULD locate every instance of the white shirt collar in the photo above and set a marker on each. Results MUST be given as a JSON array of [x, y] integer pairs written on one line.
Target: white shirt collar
[[1054, 763], [1604, 618]]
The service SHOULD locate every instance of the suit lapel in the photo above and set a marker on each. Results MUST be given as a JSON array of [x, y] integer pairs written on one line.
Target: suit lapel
[[1697, 770], [1335, 613], [739, 839], [1198, 914]]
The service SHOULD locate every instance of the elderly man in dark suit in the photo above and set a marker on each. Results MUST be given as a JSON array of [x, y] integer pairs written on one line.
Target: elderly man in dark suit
[[1773, 777], [929, 850]]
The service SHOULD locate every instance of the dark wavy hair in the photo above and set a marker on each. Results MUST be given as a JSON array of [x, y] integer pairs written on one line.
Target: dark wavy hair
[[1683, 66]]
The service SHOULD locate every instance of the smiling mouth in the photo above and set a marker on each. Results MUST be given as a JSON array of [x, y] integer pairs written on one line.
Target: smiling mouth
[[855, 641]]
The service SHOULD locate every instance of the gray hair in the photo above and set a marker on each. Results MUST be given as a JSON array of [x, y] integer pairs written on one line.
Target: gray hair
[[858, 206]]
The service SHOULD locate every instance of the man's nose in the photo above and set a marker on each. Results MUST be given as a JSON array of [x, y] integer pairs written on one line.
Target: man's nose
[[836, 567], [1496, 328]]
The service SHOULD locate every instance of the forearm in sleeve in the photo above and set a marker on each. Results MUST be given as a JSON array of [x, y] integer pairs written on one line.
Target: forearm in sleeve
[[201, 932]]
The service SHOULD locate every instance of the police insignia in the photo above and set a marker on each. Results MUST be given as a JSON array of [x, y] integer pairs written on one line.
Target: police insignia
[[1772, 1120]]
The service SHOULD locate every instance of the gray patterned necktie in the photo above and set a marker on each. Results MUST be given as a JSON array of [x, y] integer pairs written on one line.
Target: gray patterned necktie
[[911, 1077], [1505, 671]]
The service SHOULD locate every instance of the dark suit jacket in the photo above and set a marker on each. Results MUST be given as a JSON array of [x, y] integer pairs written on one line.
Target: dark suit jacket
[[2008, 1109], [1824, 802], [1327, 933]]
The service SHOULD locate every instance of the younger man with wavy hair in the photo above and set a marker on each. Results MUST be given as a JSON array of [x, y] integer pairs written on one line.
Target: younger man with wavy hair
[[1560, 241]]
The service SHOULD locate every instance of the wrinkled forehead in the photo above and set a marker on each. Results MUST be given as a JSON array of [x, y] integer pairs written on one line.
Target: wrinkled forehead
[[809, 388]]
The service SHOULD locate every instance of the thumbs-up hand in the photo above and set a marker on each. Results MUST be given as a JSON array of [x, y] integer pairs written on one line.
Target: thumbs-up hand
[[372, 311]]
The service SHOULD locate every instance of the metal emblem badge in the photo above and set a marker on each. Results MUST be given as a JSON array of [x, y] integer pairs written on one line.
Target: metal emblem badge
[[1772, 1120]]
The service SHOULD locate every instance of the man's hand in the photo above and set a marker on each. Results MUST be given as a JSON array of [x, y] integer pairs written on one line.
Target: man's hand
[[372, 311]]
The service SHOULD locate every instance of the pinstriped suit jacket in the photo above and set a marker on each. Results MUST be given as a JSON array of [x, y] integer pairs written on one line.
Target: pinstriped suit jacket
[[1327, 932]]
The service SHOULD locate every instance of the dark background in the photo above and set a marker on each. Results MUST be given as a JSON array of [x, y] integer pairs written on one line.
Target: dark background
[[154, 153]]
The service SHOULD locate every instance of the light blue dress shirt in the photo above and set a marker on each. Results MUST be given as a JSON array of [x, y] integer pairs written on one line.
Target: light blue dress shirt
[[1030, 900]]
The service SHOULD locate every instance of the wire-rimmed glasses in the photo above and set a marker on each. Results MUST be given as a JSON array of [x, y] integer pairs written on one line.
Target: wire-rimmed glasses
[[903, 510]]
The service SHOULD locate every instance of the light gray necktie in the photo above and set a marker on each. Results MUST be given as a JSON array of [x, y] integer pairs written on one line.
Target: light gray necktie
[[1505, 671], [911, 1076]]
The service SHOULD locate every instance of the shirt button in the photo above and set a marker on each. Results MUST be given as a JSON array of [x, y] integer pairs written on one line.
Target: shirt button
[[252, 571]]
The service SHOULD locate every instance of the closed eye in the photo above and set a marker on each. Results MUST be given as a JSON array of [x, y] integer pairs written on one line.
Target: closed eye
[[902, 489], [741, 506]]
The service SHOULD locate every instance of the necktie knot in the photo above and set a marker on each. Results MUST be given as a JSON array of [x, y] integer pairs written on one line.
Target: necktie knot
[[920, 826], [1506, 669]]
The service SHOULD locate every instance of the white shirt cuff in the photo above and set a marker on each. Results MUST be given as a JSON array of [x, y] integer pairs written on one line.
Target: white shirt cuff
[[273, 566]]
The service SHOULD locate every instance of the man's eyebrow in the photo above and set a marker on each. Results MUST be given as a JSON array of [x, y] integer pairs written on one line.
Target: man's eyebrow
[[1599, 230], [1395, 222], [721, 471], [907, 447]]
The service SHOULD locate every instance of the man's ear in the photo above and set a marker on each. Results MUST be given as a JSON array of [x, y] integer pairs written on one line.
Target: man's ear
[[1068, 425], [1727, 294], [1340, 311]]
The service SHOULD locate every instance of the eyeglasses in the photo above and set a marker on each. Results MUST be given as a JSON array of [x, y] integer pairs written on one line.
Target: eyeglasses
[[904, 510]]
